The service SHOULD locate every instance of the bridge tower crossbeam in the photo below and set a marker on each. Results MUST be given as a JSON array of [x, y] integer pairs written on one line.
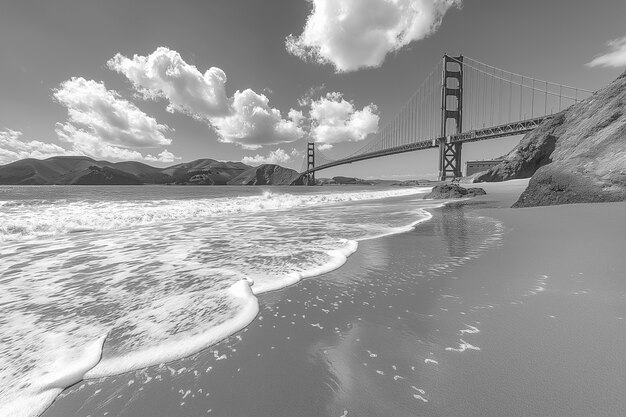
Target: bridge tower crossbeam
[[449, 152]]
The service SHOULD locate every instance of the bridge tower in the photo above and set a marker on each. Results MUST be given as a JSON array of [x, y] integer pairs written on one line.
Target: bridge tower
[[450, 153], [310, 163]]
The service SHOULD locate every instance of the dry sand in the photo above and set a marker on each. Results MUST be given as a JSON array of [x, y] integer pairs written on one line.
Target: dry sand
[[482, 311]]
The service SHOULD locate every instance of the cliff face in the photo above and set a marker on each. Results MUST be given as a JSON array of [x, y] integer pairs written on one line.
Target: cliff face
[[577, 157], [267, 174]]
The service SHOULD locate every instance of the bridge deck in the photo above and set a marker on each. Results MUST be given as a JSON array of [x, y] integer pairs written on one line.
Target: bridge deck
[[508, 129]]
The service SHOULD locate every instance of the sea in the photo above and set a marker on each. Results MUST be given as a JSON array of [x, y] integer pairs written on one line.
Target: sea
[[101, 280]]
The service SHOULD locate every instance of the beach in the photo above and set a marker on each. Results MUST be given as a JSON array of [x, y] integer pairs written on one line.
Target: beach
[[480, 311]]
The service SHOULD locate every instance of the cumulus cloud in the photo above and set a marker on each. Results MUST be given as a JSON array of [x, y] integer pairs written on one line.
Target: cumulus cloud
[[324, 146], [615, 57], [279, 157], [165, 156], [87, 143], [253, 123], [13, 148], [164, 74], [101, 123], [296, 116], [246, 118], [354, 34], [334, 120], [310, 95]]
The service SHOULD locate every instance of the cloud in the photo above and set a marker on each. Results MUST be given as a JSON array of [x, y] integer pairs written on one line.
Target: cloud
[[164, 74], [615, 57], [165, 156], [334, 120], [296, 116], [245, 119], [102, 124], [324, 146], [354, 34], [13, 148], [253, 123], [279, 157], [309, 96]]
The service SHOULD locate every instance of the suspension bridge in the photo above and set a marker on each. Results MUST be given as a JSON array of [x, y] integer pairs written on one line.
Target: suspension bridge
[[462, 100]]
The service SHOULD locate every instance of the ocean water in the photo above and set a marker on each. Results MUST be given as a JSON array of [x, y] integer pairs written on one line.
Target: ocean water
[[96, 281]]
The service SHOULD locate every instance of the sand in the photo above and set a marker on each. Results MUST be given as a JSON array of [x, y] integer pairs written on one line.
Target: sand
[[482, 311]]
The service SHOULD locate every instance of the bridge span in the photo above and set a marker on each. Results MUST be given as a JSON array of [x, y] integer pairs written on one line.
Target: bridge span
[[461, 101]]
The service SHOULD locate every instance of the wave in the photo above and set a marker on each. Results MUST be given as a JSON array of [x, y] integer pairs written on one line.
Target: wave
[[248, 308], [337, 257], [171, 289], [39, 390], [23, 220]]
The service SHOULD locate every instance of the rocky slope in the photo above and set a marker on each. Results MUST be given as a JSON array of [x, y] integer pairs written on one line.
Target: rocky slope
[[579, 156], [266, 174], [447, 191]]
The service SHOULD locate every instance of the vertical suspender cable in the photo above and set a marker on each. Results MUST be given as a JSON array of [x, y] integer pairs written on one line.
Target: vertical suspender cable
[[545, 105], [484, 118], [532, 104], [490, 112], [510, 95], [521, 94]]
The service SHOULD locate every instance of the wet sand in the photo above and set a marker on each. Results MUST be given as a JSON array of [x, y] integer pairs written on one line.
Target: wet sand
[[481, 311]]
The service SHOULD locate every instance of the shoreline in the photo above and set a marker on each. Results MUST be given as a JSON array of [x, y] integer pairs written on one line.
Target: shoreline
[[379, 307], [167, 352]]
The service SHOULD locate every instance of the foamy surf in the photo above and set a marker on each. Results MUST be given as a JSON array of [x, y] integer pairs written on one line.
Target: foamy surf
[[180, 348], [169, 279], [422, 213], [41, 389], [337, 258], [41, 218]]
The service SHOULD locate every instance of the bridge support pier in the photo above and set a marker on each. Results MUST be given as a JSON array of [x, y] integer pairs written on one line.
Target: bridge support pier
[[449, 159], [310, 163], [450, 153]]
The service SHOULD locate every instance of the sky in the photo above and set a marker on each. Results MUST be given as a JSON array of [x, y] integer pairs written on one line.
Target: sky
[[166, 82]]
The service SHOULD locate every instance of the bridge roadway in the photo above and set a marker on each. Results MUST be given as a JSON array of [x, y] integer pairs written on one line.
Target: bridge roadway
[[508, 129]]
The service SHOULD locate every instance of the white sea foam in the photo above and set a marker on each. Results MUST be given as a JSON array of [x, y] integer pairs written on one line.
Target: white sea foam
[[469, 330], [337, 257], [187, 345], [21, 220], [176, 275], [40, 388], [463, 346]]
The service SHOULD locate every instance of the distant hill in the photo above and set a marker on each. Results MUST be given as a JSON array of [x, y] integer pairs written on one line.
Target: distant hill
[[205, 172], [266, 174], [66, 170], [579, 156], [349, 181], [415, 183], [145, 173], [106, 175]]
